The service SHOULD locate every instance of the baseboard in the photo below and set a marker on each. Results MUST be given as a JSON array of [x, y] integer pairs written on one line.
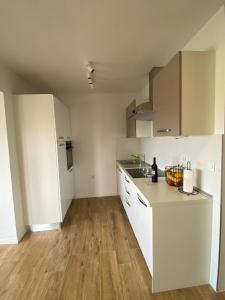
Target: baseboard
[[96, 195], [21, 233], [44, 227], [9, 241]]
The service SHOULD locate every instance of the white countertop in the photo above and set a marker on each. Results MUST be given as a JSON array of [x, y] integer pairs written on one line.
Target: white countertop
[[162, 193]]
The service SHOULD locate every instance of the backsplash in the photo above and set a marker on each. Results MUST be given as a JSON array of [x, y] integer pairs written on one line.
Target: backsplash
[[205, 154]]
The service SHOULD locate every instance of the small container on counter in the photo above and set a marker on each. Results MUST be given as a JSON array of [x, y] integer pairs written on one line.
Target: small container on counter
[[174, 175]]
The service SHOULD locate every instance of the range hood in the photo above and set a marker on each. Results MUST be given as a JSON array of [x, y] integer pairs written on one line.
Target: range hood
[[144, 112]]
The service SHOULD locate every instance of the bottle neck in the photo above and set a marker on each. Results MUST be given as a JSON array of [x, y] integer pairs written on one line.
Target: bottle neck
[[154, 160]]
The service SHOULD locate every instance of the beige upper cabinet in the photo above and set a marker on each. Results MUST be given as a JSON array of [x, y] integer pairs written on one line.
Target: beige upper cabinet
[[184, 95]]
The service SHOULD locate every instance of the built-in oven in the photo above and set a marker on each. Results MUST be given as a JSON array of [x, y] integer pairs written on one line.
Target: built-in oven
[[69, 154]]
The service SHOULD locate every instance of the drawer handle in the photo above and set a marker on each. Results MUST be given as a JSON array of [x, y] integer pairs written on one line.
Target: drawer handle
[[61, 137], [127, 192], [120, 171], [127, 180], [164, 130], [127, 203], [61, 144], [142, 202]]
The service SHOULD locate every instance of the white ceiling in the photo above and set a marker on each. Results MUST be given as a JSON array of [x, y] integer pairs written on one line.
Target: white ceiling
[[49, 41]]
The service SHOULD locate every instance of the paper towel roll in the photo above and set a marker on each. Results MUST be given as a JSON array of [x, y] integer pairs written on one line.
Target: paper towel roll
[[188, 181]]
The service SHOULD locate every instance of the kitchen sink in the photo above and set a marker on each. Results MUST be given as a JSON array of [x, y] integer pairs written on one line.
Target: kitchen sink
[[129, 164], [138, 173], [135, 173]]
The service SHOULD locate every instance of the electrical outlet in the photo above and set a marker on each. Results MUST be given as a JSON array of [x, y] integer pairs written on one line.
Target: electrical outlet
[[211, 166]]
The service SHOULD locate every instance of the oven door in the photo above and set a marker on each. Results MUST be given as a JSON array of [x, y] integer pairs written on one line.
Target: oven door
[[69, 154]]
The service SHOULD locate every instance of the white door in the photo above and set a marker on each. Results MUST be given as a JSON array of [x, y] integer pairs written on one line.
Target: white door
[[130, 203], [62, 121], [121, 185], [62, 163], [69, 189], [144, 229]]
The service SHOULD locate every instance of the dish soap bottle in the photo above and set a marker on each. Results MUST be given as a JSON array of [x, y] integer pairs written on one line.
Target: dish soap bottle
[[154, 171]]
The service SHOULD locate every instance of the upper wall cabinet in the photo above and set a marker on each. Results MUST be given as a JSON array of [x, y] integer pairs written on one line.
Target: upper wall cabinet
[[183, 95], [62, 120]]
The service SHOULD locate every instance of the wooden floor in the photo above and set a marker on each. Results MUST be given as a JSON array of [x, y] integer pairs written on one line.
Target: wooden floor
[[94, 256]]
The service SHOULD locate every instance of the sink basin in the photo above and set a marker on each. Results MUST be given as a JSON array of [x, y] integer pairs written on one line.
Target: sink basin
[[137, 173], [129, 164]]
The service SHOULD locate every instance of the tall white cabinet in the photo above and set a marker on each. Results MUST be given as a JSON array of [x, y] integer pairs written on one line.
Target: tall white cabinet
[[43, 128]]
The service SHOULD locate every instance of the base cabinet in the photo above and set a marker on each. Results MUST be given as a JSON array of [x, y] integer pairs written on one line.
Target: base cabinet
[[144, 229], [139, 214], [175, 238]]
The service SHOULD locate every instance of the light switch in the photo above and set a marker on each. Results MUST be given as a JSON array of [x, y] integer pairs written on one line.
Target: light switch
[[211, 166]]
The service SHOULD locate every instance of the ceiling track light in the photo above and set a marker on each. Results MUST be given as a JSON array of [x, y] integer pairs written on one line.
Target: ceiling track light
[[90, 67], [90, 71]]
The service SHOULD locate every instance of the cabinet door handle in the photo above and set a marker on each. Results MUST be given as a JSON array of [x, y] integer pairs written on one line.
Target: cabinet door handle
[[142, 202], [127, 192], [164, 130], [127, 202], [127, 180]]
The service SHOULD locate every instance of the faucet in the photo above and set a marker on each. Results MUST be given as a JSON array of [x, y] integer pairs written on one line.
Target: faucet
[[136, 158]]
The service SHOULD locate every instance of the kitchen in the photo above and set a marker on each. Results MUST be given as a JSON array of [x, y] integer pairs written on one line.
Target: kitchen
[[96, 150]]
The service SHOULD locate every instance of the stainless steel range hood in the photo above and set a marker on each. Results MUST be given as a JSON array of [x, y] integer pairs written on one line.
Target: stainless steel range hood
[[144, 112]]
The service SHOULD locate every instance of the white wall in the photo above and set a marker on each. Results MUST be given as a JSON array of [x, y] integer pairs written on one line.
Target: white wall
[[97, 121], [11, 211], [202, 152], [126, 147], [212, 36]]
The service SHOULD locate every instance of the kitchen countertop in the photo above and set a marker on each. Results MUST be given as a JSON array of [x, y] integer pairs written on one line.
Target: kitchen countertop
[[161, 193]]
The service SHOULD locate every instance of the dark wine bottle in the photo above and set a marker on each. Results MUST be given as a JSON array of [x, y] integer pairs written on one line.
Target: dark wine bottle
[[154, 171]]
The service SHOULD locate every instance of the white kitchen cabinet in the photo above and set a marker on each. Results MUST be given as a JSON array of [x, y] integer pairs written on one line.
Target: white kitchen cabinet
[[129, 201], [119, 180], [121, 185], [62, 120], [42, 130], [174, 237], [144, 228], [62, 177]]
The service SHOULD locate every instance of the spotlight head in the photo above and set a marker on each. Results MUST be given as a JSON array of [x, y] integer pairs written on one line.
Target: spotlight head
[[90, 67]]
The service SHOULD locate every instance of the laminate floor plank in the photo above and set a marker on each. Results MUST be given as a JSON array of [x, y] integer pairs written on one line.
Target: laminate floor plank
[[95, 256]]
